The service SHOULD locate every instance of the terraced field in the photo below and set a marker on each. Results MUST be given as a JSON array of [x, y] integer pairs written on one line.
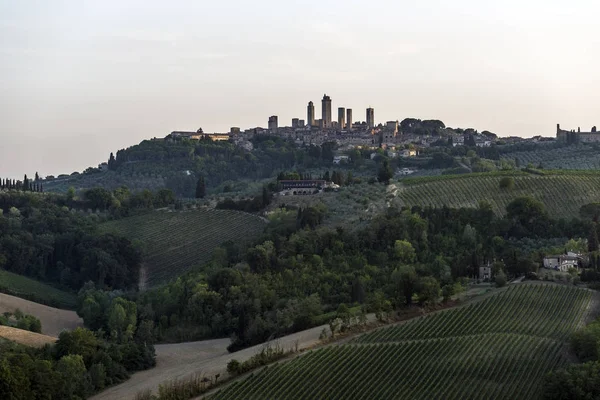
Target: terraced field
[[498, 348], [173, 242], [563, 194]]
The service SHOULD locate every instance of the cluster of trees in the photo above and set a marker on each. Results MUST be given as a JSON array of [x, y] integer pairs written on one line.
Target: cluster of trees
[[21, 321], [578, 381], [26, 184], [121, 201], [177, 165], [300, 271], [80, 364], [254, 204], [41, 237]]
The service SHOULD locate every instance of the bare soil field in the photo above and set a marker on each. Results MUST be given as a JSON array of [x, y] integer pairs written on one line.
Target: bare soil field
[[25, 337], [210, 357], [53, 320]]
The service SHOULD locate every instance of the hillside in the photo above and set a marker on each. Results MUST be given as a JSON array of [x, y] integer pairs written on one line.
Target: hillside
[[579, 156], [173, 242], [562, 193], [500, 347], [39, 292], [25, 337], [53, 320]]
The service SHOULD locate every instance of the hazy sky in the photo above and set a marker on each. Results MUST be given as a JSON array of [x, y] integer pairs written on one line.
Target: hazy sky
[[79, 79]]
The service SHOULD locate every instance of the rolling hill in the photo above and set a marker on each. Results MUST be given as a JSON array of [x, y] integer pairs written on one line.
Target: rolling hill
[[498, 348], [39, 292], [173, 242], [563, 193]]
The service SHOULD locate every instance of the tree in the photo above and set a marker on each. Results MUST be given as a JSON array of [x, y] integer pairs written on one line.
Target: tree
[[500, 279], [37, 177], [428, 290], [577, 381], [404, 251], [405, 280], [507, 183], [200, 188], [70, 193], [73, 376], [593, 238], [25, 183], [385, 172], [112, 162]]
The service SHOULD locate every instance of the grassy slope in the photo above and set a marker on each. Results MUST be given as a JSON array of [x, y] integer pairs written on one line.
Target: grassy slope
[[500, 347], [562, 193], [175, 241], [30, 289]]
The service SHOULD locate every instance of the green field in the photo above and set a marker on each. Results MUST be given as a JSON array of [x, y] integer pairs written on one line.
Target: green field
[[173, 242], [562, 193], [498, 348], [30, 289]]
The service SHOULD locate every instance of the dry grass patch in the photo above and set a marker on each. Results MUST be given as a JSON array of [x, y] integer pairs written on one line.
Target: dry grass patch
[[25, 337]]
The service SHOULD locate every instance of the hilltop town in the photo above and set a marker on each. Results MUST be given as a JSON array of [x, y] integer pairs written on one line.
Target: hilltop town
[[401, 138]]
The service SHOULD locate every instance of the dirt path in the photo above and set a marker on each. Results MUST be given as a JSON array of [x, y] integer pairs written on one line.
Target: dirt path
[[143, 283], [178, 361], [53, 320]]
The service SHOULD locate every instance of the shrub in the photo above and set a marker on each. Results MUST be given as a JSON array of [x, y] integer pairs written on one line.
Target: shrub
[[507, 183]]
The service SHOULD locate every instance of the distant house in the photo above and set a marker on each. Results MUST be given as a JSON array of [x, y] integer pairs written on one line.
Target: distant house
[[562, 262], [408, 153], [406, 171], [339, 159], [302, 187], [485, 273]]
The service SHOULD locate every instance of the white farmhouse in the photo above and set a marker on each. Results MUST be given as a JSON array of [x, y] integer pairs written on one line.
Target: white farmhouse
[[562, 262]]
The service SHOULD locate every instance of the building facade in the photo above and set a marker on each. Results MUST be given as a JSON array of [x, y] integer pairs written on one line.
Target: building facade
[[326, 111], [593, 136]]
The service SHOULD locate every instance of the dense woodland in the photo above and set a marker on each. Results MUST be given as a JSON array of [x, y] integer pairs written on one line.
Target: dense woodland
[[55, 239], [300, 273], [579, 380], [177, 165]]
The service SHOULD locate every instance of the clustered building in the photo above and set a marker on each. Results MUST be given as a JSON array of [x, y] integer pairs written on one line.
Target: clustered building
[[348, 133], [572, 136]]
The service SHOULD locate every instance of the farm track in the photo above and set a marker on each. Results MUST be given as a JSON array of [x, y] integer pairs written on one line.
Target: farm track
[[53, 320]]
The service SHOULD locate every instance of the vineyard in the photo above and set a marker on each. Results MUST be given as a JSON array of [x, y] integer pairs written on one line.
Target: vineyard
[[562, 193], [498, 348], [30, 289], [580, 156], [173, 242]]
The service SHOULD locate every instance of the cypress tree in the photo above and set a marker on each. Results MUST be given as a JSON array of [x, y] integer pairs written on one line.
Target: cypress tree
[[25, 183], [200, 188], [37, 177], [593, 239]]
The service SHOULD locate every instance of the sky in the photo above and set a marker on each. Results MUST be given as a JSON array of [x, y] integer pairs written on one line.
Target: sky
[[80, 79]]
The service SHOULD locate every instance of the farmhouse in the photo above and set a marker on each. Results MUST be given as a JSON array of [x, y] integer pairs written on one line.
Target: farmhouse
[[339, 159], [485, 273], [302, 187], [562, 262]]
